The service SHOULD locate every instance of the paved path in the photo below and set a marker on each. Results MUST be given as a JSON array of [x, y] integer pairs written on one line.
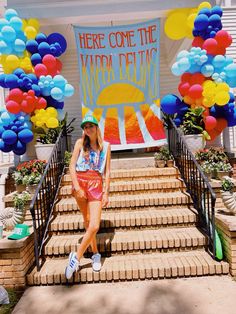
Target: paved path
[[202, 295]]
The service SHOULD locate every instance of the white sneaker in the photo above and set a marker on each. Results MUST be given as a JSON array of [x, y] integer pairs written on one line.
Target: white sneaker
[[73, 265], [96, 262]]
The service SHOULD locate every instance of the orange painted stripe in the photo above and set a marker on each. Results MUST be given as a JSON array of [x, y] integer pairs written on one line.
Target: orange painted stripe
[[154, 125], [132, 129], [111, 128]]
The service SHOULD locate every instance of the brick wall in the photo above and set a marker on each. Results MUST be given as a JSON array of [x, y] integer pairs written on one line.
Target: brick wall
[[16, 257], [226, 227]]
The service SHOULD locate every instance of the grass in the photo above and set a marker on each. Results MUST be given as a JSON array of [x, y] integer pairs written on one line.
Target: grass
[[14, 297]]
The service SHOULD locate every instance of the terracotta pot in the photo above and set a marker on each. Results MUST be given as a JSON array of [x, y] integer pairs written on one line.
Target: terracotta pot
[[160, 163], [20, 188], [170, 163]]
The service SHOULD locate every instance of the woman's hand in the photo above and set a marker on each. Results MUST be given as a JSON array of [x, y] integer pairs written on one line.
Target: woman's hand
[[105, 199], [80, 194]]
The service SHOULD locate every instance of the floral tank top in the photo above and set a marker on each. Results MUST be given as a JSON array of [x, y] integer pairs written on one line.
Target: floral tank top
[[93, 160]]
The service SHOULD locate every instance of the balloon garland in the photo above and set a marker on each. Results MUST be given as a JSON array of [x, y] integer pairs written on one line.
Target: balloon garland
[[206, 72], [32, 74]]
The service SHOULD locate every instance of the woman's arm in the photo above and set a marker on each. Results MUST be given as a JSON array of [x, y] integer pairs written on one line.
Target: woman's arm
[[73, 162], [107, 177]]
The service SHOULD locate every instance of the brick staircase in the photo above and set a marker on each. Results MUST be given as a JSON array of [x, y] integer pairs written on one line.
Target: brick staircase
[[149, 231]]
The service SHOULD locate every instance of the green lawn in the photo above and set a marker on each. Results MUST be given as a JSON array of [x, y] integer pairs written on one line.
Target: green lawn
[[14, 297]]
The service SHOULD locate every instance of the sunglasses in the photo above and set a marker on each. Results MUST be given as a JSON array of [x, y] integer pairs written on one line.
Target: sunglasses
[[89, 126]]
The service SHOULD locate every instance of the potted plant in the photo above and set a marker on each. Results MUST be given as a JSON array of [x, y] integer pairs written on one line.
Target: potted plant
[[228, 196], [20, 200], [46, 142], [32, 181], [202, 155], [164, 150], [208, 169], [67, 159], [193, 129], [68, 128], [159, 160], [223, 169], [18, 178]]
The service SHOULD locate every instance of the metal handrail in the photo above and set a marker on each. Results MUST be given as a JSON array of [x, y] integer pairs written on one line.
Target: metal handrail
[[196, 182], [45, 196]]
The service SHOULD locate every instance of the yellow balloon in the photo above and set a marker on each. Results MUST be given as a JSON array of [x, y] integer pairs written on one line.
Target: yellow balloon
[[52, 112], [12, 62], [24, 25], [34, 23], [190, 20], [222, 98], [30, 32], [176, 25], [208, 83], [204, 5], [39, 123], [222, 87], [52, 123], [208, 102]]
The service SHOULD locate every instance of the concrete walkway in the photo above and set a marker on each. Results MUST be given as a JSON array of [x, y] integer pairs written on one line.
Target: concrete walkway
[[202, 295]]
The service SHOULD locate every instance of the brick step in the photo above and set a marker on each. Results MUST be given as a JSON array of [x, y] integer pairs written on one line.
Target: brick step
[[131, 267], [131, 186], [132, 201], [151, 217], [136, 174], [132, 241]]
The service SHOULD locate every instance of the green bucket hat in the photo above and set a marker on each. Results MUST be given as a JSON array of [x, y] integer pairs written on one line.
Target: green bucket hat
[[90, 119], [20, 231]]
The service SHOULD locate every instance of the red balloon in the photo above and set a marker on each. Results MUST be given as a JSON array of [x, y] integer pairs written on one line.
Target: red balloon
[[206, 112], [221, 124], [195, 91], [40, 69], [223, 38], [197, 78], [52, 72], [183, 88], [16, 94], [210, 123], [213, 134], [210, 45], [58, 65], [31, 92], [27, 107], [186, 77], [220, 51], [13, 107], [198, 42], [41, 103], [49, 61]]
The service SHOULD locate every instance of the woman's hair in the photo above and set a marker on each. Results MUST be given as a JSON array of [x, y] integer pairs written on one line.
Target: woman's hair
[[86, 141]]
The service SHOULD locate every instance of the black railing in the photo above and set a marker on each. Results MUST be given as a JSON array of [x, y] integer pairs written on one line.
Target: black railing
[[196, 182], [45, 196]]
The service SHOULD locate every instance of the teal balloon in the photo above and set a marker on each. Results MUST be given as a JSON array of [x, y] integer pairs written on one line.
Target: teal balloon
[[19, 45], [57, 93], [207, 70], [59, 81], [69, 90], [230, 70], [60, 114], [16, 23], [6, 118], [3, 22], [9, 13], [176, 70], [218, 61], [5, 48], [8, 33]]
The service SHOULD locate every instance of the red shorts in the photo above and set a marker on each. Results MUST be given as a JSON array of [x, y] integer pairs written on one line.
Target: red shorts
[[91, 183]]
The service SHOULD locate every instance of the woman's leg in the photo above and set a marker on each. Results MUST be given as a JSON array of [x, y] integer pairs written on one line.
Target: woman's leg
[[95, 210], [83, 206]]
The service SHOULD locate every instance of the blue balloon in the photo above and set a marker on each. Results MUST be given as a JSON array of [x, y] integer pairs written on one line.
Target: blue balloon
[[41, 37], [205, 11], [32, 46], [170, 104], [231, 118], [58, 38], [201, 22], [232, 98], [2, 80], [33, 78], [20, 149], [36, 89], [36, 59], [18, 72], [9, 137], [25, 136], [43, 49], [217, 10], [215, 21], [4, 147], [1, 131], [177, 121], [11, 81]]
